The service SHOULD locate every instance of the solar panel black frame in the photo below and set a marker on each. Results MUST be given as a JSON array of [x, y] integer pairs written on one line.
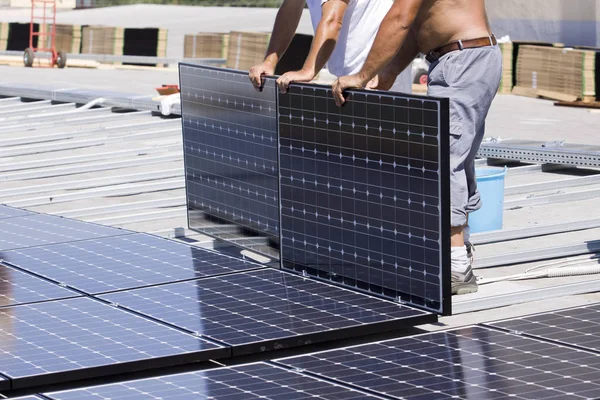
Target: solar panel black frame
[[124, 262], [275, 310], [236, 203], [33, 289], [243, 382], [164, 346], [567, 331], [472, 362], [436, 295]]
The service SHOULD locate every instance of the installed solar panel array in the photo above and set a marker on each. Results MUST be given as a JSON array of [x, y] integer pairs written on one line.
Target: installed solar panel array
[[230, 146], [363, 193]]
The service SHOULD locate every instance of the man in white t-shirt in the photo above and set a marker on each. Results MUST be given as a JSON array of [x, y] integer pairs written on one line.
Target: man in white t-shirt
[[344, 33]]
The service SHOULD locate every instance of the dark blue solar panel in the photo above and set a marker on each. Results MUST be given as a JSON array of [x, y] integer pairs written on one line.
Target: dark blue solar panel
[[579, 326], [123, 262], [230, 145], [41, 229], [246, 382], [18, 287], [364, 192], [261, 310], [11, 212], [80, 338], [469, 363]]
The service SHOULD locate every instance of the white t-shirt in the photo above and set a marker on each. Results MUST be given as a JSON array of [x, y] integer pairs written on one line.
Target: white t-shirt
[[359, 28]]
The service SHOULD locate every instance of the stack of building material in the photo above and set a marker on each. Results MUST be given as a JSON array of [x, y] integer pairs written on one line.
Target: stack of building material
[[68, 38], [102, 40], [206, 45], [559, 73], [246, 49], [18, 36], [3, 35], [506, 84], [147, 42]]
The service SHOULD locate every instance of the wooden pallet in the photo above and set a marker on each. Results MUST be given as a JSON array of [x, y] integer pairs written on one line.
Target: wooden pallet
[[579, 104]]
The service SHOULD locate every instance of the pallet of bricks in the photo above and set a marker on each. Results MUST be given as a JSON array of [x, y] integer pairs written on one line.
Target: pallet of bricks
[[67, 39], [118, 41], [559, 73], [206, 45], [3, 36]]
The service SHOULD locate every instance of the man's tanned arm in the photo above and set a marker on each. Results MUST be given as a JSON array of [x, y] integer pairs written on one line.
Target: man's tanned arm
[[286, 23], [391, 37]]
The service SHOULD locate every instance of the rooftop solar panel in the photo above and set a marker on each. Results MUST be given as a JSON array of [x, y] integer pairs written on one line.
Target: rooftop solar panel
[[42, 229], [246, 382], [579, 326], [11, 212], [268, 309], [18, 287], [123, 262], [230, 146], [81, 338], [469, 363], [364, 192]]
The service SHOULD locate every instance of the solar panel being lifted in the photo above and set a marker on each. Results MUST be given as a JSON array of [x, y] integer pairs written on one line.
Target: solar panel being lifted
[[245, 382], [264, 310], [578, 326], [468, 363], [230, 148], [123, 262], [364, 192]]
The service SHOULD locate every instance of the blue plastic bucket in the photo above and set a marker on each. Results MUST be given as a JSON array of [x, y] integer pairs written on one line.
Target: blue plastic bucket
[[490, 183]]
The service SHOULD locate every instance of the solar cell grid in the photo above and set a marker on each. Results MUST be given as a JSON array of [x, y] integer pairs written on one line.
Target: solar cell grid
[[473, 363], [18, 287], [77, 338], [42, 229], [247, 382], [363, 199], [230, 145], [11, 212], [262, 310], [123, 262], [579, 326]]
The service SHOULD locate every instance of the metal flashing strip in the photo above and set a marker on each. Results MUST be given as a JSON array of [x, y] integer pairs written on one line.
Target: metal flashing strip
[[552, 199], [552, 185], [536, 231], [526, 296], [534, 255], [538, 152]]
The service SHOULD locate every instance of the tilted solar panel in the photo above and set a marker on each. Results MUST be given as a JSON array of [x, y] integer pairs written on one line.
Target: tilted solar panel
[[230, 148], [79, 338], [268, 309], [11, 212], [365, 192], [245, 382], [123, 262], [468, 363], [578, 326]]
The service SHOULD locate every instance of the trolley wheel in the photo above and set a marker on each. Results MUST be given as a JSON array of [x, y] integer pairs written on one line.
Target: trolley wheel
[[28, 56], [61, 59]]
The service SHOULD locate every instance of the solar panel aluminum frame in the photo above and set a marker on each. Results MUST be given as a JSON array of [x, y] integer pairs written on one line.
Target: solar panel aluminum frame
[[253, 229], [445, 308]]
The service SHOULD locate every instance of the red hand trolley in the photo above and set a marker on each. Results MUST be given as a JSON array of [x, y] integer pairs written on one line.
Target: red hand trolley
[[43, 12]]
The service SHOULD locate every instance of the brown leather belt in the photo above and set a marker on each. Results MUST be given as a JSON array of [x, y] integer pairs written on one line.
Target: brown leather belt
[[436, 54]]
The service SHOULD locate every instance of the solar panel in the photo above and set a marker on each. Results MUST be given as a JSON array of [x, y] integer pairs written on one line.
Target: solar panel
[[579, 326], [123, 262], [18, 287], [262, 310], [83, 338], [230, 146], [246, 382], [42, 229], [11, 212], [364, 192], [469, 363]]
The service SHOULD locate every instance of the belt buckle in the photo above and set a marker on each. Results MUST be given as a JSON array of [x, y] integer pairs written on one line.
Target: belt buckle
[[433, 56]]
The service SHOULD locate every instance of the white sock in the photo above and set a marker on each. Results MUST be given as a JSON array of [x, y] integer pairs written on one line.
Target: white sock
[[459, 260]]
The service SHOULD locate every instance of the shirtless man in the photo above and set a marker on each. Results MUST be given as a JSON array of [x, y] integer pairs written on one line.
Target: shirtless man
[[466, 66]]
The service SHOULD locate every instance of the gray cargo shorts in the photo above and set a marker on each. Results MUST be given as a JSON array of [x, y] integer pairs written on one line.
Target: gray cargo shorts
[[470, 79]]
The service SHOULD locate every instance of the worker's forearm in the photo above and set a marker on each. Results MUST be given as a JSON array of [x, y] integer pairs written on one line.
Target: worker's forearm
[[322, 46], [286, 22]]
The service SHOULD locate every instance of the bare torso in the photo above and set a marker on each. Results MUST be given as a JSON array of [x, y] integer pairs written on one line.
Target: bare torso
[[443, 21]]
